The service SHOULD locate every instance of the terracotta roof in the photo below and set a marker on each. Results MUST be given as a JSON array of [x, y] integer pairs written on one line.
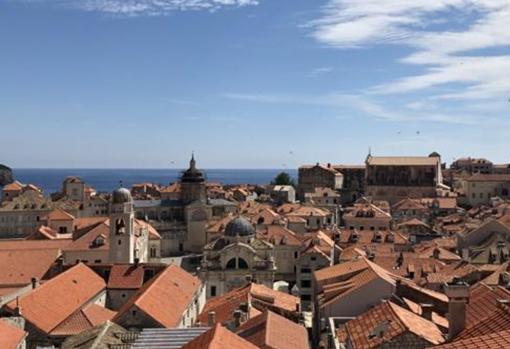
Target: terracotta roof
[[17, 244], [340, 280], [83, 319], [86, 241], [409, 204], [279, 235], [309, 211], [125, 276], [483, 301], [270, 330], [10, 336], [20, 266], [260, 296], [13, 186], [393, 321], [85, 222], [54, 301], [166, 297], [59, 215], [414, 222], [219, 337], [499, 320], [402, 161], [493, 340]]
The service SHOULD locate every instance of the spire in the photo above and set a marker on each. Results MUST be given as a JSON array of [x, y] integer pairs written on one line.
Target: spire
[[192, 162]]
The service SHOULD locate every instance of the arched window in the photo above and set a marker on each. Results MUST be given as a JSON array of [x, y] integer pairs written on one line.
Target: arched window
[[242, 264], [231, 264], [120, 226]]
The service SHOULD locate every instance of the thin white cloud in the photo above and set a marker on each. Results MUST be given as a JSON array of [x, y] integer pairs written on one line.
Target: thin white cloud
[[470, 48], [367, 105], [147, 7], [320, 71]]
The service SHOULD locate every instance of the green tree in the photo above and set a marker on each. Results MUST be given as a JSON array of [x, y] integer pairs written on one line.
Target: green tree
[[283, 178]]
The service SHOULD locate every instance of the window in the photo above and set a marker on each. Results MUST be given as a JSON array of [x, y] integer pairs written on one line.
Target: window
[[306, 283], [133, 312], [241, 264], [213, 291], [306, 270], [295, 254], [313, 259], [231, 264], [119, 242], [62, 230], [306, 297], [98, 261]]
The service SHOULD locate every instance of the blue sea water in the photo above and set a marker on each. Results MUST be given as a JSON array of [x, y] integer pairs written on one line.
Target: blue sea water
[[106, 180]]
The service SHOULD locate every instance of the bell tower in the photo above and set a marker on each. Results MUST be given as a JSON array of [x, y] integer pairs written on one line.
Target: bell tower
[[193, 184], [122, 231]]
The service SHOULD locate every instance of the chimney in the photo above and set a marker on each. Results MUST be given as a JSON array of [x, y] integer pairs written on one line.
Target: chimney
[[17, 310], [237, 318], [211, 318], [34, 282], [426, 310], [458, 296]]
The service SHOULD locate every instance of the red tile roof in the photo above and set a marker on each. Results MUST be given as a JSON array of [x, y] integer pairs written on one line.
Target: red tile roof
[[18, 267], [493, 340], [83, 319], [393, 321], [260, 296], [54, 301], [166, 297], [270, 330], [59, 215], [219, 337], [125, 276], [17, 244], [499, 320], [483, 301], [10, 336]]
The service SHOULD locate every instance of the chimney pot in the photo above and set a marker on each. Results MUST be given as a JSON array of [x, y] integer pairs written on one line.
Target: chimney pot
[[458, 296], [426, 310], [237, 318], [211, 318], [34, 282]]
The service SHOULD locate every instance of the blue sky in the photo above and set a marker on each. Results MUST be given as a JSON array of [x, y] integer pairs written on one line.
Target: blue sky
[[251, 84]]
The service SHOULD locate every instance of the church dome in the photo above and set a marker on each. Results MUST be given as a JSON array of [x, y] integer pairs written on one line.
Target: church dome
[[121, 196], [239, 226], [434, 155]]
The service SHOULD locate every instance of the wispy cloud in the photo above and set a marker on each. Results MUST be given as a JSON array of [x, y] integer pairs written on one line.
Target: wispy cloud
[[448, 52], [369, 106], [147, 7], [320, 71]]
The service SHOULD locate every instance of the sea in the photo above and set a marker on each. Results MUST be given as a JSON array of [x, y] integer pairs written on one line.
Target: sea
[[106, 180]]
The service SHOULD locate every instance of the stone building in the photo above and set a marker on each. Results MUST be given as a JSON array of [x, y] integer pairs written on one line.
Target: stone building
[[181, 218], [472, 165], [479, 189], [318, 176], [21, 216], [127, 244], [236, 258], [353, 186], [395, 178]]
